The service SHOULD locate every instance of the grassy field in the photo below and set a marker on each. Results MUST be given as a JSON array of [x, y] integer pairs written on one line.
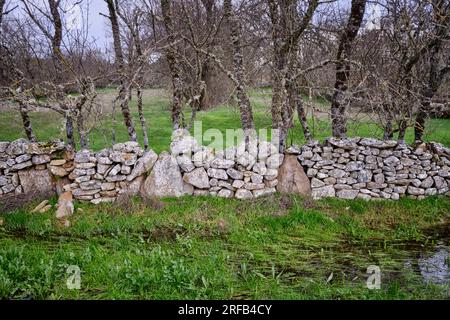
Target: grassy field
[[210, 248], [49, 125]]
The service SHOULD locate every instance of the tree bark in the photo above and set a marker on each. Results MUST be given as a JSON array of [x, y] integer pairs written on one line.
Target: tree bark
[[338, 108], [27, 124], [174, 66], [120, 66], [239, 69]]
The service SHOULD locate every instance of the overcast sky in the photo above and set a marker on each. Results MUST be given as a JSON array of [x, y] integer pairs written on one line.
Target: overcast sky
[[98, 25]]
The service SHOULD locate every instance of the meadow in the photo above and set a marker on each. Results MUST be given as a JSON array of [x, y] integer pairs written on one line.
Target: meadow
[[49, 125], [208, 248]]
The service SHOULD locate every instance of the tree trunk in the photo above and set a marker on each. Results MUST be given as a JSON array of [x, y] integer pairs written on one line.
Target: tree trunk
[[297, 101], [239, 70], [27, 124], [69, 132], [141, 117], [120, 65], [435, 79], [338, 119], [174, 66]]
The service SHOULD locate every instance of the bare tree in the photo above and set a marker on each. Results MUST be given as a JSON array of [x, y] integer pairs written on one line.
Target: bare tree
[[238, 67], [288, 25], [120, 67], [338, 118]]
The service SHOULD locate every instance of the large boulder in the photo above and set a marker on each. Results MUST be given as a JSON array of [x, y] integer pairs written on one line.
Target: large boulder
[[165, 180], [36, 180], [292, 178]]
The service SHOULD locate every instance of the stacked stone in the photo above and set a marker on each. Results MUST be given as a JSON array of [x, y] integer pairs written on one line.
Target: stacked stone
[[368, 168], [24, 164], [239, 172], [101, 177]]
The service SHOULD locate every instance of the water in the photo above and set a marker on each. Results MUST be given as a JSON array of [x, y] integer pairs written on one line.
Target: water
[[434, 266]]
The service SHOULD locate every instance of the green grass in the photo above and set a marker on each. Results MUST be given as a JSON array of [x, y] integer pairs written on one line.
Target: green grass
[[48, 125], [210, 248]]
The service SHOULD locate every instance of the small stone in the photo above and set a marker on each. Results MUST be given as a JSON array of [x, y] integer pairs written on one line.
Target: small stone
[[40, 206], [238, 184], [219, 174], [264, 192], [257, 178], [198, 178], [415, 191], [235, 174], [225, 193], [58, 171], [243, 194], [185, 163], [23, 158], [323, 192], [58, 162], [347, 194], [316, 183], [65, 205]]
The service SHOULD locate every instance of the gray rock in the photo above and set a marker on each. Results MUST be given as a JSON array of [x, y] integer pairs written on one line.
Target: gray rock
[[271, 174], [185, 163], [23, 158], [185, 144], [260, 168], [257, 178], [427, 183], [391, 161], [102, 168], [347, 194], [439, 182], [238, 184], [40, 159], [218, 163], [17, 147], [104, 160], [143, 165], [126, 170], [338, 173], [83, 156], [235, 174], [219, 174], [346, 144], [254, 186], [165, 180], [275, 161], [323, 192], [243, 194], [379, 178], [415, 191], [263, 192], [354, 166], [198, 178], [21, 166], [225, 193], [316, 183], [364, 176], [115, 170]]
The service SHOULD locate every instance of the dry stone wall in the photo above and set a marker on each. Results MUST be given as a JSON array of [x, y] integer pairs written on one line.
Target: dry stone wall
[[372, 169], [346, 168], [30, 167]]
